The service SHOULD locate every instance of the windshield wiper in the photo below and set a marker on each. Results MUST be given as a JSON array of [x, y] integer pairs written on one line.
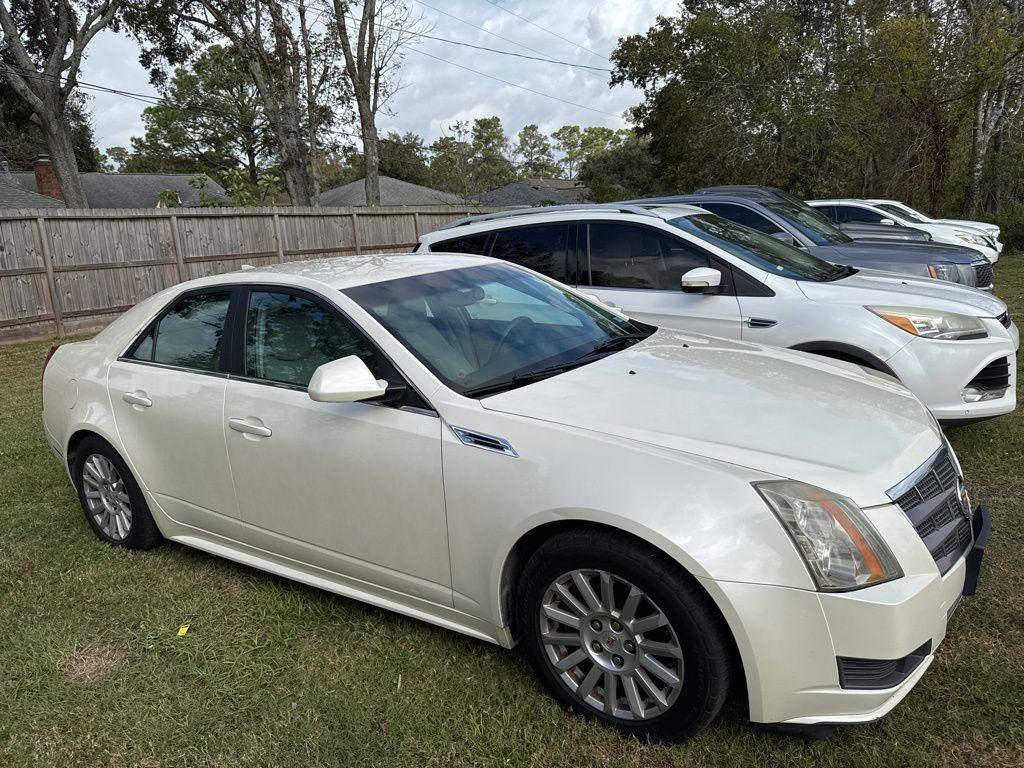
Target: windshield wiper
[[600, 350], [840, 272]]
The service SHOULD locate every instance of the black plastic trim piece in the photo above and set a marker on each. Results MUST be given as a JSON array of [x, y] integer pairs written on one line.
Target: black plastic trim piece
[[981, 525], [848, 350], [879, 674]]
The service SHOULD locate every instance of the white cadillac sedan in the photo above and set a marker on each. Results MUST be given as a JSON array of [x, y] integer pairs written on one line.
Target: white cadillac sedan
[[656, 516]]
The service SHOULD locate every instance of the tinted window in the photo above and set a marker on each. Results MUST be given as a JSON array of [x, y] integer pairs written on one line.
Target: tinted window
[[628, 256], [900, 213], [287, 337], [541, 248], [852, 213], [191, 335], [828, 211], [467, 244], [744, 216], [808, 221]]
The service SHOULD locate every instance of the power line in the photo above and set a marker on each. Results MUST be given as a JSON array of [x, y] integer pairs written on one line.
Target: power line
[[545, 29], [516, 85], [482, 29]]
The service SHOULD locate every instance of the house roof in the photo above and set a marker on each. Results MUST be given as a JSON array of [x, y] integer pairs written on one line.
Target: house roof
[[131, 190], [13, 196], [392, 192], [525, 193]]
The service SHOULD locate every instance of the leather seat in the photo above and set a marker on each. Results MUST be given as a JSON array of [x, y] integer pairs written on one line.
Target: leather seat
[[411, 320]]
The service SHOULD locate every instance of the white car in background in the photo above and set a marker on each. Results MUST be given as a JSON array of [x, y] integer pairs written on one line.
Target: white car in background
[[656, 516], [845, 211], [991, 230], [681, 267]]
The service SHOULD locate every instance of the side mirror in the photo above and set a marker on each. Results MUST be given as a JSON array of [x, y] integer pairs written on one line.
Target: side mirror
[[701, 280], [783, 237], [347, 380], [888, 222]]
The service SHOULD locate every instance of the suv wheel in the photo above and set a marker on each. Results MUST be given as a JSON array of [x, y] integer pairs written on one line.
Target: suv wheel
[[620, 633]]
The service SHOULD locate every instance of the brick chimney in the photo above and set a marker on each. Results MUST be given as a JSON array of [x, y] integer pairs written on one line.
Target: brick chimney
[[46, 179]]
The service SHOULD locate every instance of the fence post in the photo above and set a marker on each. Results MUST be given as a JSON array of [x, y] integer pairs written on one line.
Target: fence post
[[58, 314], [416, 224], [277, 238], [179, 257], [355, 233]]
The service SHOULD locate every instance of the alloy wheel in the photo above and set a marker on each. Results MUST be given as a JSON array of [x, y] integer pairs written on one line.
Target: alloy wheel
[[611, 644], [106, 497]]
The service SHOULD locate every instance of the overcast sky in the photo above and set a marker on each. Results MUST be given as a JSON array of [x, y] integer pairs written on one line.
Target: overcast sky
[[435, 93]]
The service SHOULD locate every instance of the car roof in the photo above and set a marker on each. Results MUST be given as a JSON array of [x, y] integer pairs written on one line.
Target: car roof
[[843, 200], [522, 217], [342, 272]]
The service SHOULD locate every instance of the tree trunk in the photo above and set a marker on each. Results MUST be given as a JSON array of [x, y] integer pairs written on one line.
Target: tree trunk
[[62, 156], [976, 164], [371, 162]]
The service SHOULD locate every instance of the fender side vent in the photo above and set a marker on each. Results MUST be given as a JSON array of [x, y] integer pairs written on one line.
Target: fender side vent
[[487, 442]]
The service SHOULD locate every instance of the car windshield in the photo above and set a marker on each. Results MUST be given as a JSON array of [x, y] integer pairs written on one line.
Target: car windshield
[[493, 327], [757, 248], [900, 212], [810, 222]]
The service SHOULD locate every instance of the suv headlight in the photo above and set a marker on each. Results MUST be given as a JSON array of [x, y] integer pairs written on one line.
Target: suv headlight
[[972, 239], [932, 324], [944, 272], [841, 548]]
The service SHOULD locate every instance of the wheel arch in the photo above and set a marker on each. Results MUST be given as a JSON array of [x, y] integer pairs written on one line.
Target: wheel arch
[[75, 440], [531, 540]]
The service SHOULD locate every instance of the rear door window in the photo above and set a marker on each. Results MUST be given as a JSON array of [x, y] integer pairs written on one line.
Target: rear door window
[[743, 215], [543, 248], [631, 256], [191, 335], [852, 213]]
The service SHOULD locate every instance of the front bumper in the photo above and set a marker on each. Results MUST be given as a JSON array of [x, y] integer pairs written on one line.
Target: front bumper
[[790, 639], [938, 371]]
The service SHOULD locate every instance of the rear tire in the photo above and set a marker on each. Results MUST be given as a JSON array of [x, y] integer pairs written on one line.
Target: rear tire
[[114, 505], [646, 631]]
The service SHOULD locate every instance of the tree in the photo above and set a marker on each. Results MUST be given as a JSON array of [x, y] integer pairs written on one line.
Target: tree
[[450, 158], [489, 166], [405, 157], [626, 170], [22, 139], [43, 44], [372, 47], [210, 119], [115, 159], [569, 141], [533, 151], [263, 34]]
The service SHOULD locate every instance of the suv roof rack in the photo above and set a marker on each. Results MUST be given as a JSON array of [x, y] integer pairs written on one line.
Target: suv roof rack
[[621, 208]]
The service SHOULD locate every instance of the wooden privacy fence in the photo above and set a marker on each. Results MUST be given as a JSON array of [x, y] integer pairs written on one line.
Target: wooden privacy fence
[[64, 271]]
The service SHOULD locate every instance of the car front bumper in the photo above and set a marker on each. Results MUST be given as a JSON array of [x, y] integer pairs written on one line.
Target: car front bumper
[[790, 640], [939, 371]]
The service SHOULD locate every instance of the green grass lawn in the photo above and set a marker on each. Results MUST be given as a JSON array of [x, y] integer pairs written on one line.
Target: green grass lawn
[[92, 671]]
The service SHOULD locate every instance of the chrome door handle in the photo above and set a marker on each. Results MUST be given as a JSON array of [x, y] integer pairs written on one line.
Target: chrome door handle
[[243, 426], [138, 397], [761, 322]]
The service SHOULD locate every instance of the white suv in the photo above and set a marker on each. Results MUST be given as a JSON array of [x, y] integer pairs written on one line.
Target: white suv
[[970, 235], [684, 268]]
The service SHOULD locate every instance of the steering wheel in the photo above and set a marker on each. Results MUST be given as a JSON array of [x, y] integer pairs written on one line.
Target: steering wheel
[[514, 327]]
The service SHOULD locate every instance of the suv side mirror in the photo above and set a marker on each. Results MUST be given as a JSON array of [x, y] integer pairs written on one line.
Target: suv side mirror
[[888, 222], [347, 380], [701, 280]]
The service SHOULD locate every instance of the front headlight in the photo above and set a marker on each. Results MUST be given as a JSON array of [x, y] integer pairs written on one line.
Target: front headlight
[[944, 272], [932, 324], [972, 239], [841, 548]]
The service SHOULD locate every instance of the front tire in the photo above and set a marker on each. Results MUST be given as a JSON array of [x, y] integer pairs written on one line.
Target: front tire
[[114, 505], [618, 632]]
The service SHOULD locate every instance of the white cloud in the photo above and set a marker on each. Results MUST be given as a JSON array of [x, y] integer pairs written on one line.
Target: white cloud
[[437, 94]]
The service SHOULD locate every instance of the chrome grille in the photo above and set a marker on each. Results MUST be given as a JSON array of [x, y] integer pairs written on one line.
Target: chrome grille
[[932, 499]]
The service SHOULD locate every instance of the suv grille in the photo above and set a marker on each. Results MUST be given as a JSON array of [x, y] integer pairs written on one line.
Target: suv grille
[[983, 274], [933, 500], [995, 375]]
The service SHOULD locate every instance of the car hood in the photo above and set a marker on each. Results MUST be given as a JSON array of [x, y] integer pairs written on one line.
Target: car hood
[[902, 252], [871, 286], [781, 412], [986, 228]]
